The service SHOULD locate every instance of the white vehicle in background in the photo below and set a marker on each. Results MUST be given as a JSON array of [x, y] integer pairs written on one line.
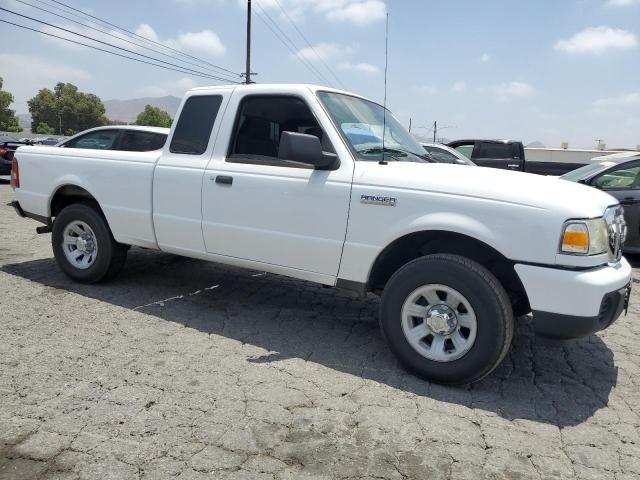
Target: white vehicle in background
[[444, 154], [305, 181], [132, 138]]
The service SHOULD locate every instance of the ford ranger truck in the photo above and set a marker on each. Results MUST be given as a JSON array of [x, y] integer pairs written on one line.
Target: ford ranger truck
[[326, 186]]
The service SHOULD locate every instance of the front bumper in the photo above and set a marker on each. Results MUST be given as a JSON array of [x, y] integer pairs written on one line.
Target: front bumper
[[571, 304]]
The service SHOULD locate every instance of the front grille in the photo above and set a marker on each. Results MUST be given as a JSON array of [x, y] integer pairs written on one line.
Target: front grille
[[616, 232]]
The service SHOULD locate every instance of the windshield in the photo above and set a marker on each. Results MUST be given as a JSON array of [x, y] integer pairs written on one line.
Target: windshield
[[362, 123], [586, 171]]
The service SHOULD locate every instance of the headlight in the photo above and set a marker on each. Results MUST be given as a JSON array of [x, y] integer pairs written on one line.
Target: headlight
[[584, 237]]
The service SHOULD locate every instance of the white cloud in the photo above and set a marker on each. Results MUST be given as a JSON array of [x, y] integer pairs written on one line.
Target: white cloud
[[145, 30], [507, 91], [358, 12], [24, 75], [323, 51], [624, 100], [622, 3], [459, 87], [359, 67], [597, 40], [171, 87], [204, 41], [427, 89], [485, 58]]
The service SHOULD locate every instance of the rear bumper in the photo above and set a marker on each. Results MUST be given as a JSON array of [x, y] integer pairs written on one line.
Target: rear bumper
[[571, 304], [21, 213]]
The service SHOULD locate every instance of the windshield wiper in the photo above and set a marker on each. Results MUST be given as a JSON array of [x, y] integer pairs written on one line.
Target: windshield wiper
[[394, 153]]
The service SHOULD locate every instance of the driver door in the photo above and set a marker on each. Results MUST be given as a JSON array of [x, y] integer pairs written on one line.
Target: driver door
[[257, 207]]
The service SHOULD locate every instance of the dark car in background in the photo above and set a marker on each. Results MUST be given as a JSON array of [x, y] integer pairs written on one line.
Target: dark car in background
[[8, 146], [618, 175], [504, 154], [507, 155]]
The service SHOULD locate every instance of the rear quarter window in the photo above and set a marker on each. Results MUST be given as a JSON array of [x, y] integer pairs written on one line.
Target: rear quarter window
[[193, 130], [494, 150]]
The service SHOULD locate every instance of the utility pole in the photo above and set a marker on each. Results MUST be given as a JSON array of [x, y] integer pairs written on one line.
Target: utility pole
[[60, 123], [435, 130], [247, 74]]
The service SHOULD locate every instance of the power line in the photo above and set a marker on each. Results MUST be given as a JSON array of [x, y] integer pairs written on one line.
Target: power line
[[288, 43], [117, 47], [105, 32], [309, 44], [106, 51], [143, 38]]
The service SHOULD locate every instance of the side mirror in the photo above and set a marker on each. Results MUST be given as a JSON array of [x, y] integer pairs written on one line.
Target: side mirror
[[303, 148]]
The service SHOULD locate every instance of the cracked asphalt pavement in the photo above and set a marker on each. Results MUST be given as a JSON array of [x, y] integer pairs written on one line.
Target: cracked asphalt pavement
[[190, 370]]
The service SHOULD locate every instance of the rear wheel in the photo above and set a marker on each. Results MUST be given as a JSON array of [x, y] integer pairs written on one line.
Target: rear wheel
[[447, 319], [83, 245]]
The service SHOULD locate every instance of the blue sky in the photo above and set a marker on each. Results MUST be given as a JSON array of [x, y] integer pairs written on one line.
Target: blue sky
[[547, 70]]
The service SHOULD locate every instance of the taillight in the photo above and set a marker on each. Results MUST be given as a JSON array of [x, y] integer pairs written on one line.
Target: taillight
[[15, 174]]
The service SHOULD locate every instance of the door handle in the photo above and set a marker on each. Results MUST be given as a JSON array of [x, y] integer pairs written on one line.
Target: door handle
[[224, 179]]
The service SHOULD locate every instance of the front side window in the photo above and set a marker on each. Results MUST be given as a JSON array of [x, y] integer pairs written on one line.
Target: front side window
[[362, 123], [260, 123], [98, 140], [466, 150], [134, 141], [193, 130], [624, 178]]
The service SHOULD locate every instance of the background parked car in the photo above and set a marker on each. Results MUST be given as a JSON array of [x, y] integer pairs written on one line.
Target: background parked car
[[125, 137], [444, 154], [47, 142], [618, 175], [508, 155], [8, 146]]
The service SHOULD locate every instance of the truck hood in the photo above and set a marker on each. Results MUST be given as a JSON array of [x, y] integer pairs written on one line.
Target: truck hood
[[519, 188]]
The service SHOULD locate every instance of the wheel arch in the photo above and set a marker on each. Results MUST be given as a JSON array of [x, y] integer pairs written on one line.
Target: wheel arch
[[425, 242], [68, 194]]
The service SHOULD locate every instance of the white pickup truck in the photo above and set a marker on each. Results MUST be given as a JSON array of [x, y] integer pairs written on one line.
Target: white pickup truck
[[299, 180]]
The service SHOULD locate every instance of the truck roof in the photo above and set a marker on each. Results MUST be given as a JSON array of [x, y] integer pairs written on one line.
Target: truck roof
[[271, 87]]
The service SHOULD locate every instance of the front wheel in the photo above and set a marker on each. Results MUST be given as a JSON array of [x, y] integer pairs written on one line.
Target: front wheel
[[83, 245], [447, 319]]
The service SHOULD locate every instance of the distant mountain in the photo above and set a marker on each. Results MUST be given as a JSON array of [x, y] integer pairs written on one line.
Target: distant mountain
[[536, 145], [128, 110]]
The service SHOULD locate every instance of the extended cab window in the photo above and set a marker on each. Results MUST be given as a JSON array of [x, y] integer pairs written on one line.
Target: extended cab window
[[134, 141], [193, 130], [98, 140], [260, 122]]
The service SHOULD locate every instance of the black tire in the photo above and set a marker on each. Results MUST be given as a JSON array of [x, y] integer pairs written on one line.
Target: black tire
[[483, 291], [111, 255]]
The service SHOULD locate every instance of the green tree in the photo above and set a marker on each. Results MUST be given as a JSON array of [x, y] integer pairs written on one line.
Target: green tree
[[44, 129], [153, 117], [65, 109], [8, 120]]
